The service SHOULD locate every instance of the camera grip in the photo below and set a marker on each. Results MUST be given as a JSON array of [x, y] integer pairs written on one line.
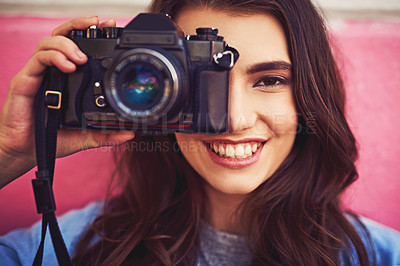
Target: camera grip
[[213, 96]]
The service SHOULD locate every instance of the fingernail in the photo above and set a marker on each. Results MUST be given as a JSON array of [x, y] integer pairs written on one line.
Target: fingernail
[[69, 64], [80, 54]]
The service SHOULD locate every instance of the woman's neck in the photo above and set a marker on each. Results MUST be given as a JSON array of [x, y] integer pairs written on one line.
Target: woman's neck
[[223, 213]]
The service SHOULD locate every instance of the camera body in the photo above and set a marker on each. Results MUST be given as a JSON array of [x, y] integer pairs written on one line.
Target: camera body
[[149, 77]]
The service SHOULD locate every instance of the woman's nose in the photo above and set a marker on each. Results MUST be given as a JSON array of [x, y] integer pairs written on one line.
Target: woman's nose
[[241, 113]]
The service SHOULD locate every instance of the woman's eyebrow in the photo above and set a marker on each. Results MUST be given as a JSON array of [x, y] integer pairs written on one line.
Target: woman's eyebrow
[[265, 66]]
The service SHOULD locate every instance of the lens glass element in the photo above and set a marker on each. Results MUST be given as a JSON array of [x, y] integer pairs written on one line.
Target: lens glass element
[[144, 85], [141, 85]]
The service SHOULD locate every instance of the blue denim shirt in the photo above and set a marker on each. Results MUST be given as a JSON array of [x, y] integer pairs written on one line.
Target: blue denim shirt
[[19, 247]]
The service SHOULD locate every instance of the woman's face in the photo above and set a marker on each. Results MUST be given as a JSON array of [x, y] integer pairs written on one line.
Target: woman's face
[[261, 114]]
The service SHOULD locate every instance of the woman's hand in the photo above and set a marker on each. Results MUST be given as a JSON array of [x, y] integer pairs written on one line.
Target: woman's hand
[[17, 145]]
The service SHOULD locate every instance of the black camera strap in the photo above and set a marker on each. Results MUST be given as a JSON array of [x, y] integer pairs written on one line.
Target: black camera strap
[[47, 117]]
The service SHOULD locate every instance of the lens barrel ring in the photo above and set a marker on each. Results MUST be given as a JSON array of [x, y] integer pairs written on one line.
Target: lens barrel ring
[[170, 68]]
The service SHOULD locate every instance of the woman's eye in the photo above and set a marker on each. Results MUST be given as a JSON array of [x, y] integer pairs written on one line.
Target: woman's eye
[[271, 81]]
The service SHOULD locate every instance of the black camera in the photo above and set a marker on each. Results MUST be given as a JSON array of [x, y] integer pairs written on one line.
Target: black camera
[[148, 76]]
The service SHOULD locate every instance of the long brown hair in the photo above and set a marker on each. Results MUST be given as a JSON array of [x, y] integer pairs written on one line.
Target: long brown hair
[[293, 218]]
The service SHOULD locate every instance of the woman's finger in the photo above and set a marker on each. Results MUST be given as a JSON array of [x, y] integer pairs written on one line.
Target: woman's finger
[[27, 81], [71, 141], [63, 45], [76, 23], [108, 23]]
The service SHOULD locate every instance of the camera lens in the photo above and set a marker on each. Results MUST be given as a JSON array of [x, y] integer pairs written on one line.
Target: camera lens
[[144, 85]]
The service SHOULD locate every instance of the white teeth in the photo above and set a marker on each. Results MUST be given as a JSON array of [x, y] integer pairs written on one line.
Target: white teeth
[[235, 150], [221, 150], [247, 150], [215, 147], [230, 151], [254, 148], [239, 151]]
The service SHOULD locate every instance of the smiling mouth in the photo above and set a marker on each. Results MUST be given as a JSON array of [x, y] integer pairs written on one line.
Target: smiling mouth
[[234, 151]]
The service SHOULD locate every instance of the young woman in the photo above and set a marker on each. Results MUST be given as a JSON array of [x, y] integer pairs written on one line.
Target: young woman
[[266, 192]]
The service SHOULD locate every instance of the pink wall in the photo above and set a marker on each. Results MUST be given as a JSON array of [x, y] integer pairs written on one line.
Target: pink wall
[[371, 59]]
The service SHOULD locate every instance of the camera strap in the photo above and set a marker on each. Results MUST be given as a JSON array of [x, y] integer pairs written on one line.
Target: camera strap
[[47, 119]]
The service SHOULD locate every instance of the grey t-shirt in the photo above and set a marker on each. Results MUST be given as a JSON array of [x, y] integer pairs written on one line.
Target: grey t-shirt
[[222, 248]]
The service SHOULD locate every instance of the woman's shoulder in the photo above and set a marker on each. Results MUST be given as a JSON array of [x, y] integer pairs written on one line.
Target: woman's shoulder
[[379, 239], [19, 247]]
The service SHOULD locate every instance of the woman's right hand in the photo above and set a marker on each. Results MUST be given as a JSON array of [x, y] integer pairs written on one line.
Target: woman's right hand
[[17, 145]]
